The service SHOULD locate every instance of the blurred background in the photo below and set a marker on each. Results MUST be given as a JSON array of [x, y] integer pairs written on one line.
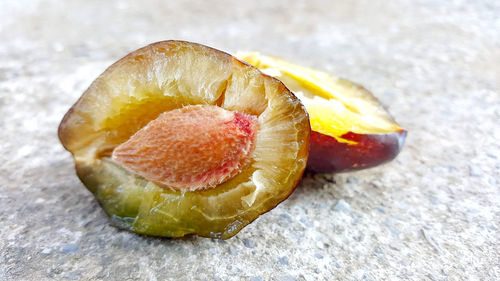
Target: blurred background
[[431, 214]]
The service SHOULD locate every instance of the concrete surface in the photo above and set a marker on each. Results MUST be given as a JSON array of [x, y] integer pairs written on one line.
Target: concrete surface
[[432, 214]]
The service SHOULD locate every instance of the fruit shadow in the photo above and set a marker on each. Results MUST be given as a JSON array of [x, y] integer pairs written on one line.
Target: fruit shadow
[[313, 182]]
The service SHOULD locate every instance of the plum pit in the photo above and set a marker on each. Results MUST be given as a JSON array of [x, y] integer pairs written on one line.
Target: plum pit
[[196, 147]]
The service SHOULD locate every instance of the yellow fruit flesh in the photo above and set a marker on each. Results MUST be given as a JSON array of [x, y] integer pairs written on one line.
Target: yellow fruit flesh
[[335, 106]]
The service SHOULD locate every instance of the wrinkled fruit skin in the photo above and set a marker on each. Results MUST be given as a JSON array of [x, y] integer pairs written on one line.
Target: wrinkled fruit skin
[[328, 155]]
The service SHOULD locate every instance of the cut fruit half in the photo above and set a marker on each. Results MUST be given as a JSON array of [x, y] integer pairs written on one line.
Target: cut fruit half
[[178, 138], [351, 130]]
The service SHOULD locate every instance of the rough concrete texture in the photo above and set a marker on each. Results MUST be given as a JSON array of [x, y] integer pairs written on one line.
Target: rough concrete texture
[[432, 214]]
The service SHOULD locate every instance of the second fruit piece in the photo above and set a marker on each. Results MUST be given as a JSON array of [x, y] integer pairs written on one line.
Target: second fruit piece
[[350, 128]]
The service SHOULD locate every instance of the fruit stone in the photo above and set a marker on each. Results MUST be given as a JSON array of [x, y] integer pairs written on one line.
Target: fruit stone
[[191, 148], [178, 138], [351, 130]]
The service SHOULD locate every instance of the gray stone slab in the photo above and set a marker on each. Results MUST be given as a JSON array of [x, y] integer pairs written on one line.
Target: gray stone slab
[[432, 214]]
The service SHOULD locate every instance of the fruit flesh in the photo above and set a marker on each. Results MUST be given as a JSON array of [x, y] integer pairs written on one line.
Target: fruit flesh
[[191, 148], [173, 74], [351, 130]]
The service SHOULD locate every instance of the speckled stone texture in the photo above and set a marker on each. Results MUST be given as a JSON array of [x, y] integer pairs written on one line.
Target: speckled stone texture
[[432, 214]]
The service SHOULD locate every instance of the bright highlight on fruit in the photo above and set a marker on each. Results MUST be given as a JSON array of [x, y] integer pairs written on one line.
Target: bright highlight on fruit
[[350, 128], [178, 138]]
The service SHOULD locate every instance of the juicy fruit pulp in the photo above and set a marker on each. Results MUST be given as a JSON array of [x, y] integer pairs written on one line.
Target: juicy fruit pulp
[[191, 148], [351, 130], [147, 85]]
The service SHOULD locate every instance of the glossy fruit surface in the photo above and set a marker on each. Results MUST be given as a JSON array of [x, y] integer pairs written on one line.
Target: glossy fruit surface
[[351, 130], [137, 92]]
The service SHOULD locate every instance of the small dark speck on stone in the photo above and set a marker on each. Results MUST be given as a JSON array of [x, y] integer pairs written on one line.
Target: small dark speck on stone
[[70, 248], [388, 223], [283, 260], [286, 217], [366, 278], [358, 238], [71, 276], [475, 171], [248, 243], [352, 180], [430, 276], [287, 278], [256, 278], [306, 222], [342, 206], [433, 200], [318, 256], [329, 178], [233, 251], [394, 247]]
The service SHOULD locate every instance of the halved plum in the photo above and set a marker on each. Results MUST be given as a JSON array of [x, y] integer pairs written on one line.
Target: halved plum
[[177, 138], [351, 130]]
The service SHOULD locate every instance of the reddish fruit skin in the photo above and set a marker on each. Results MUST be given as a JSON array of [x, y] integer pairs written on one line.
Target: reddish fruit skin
[[327, 155]]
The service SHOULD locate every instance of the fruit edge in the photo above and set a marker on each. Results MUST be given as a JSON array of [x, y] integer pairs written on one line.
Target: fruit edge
[[328, 155]]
